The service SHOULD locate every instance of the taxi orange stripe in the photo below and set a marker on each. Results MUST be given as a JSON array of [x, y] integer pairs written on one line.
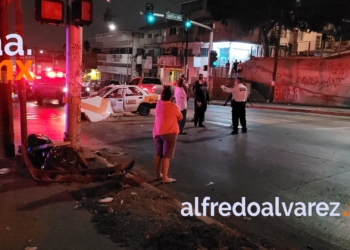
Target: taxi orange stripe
[[99, 110]]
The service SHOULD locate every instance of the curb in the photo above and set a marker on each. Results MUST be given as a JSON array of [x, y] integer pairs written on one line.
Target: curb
[[300, 110], [178, 205], [320, 112]]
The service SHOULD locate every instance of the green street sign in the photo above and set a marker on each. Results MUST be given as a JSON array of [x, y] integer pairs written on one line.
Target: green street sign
[[173, 16]]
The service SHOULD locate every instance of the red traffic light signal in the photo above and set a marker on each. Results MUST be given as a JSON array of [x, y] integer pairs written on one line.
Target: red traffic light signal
[[82, 12], [49, 11]]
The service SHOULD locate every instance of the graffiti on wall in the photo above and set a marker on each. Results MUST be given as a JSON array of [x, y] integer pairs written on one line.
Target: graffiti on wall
[[291, 94], [300, 80]]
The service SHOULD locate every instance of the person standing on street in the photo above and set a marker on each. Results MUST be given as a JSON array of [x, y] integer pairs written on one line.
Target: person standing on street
[[181, 102], [239, 67], [227, 66], [235, 68], [239, 97], [185, 84], [201, 103], [165, 131], [200, 81]]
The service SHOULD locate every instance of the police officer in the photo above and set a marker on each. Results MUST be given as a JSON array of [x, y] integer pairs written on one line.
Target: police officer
[[239, 97]]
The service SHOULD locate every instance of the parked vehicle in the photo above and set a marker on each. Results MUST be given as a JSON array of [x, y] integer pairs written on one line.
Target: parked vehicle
[[52, 85], [148, 84], [126, 98]]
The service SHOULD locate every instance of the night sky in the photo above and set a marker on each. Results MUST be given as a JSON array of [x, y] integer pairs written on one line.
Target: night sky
[[127, 14]]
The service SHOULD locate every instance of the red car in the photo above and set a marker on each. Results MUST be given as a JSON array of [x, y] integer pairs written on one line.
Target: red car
[[148, 84]]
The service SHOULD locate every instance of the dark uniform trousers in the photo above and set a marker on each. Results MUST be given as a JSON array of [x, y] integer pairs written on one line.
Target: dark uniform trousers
[[238, 112], [199, 113]]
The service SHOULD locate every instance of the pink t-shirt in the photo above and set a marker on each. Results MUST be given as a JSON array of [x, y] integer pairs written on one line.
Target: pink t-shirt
[[167, 117]]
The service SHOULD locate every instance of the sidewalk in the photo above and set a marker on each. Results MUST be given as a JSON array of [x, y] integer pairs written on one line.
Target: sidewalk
[[295, 108]]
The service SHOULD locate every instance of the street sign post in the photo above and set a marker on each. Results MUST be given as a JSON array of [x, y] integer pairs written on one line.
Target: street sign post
[[173, 16]]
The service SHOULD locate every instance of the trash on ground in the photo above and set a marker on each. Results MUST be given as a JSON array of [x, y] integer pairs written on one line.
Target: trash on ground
[[210, 183], [62, 158], [4, 170], [31, 248], [247, 218], [133, 193], [106, 200]]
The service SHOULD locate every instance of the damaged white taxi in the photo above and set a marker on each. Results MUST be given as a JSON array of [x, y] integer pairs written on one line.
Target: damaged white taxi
[[118, 99]]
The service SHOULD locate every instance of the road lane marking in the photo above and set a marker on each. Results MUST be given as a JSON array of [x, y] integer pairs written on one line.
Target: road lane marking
[[333, 128]]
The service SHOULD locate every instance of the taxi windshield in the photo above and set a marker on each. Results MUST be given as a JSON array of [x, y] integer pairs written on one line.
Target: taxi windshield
[[103, 91]]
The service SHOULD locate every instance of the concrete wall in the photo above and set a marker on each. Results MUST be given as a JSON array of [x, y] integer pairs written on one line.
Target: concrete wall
[[307, 81], [215, 90]]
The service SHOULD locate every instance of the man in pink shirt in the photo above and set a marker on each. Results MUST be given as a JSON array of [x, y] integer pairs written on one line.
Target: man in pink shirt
[[165, 131]]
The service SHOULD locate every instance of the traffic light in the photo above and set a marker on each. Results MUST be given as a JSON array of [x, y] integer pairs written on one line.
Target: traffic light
[[149, 13], [187, 22], [213, 58], [49, 11], [82, 12]]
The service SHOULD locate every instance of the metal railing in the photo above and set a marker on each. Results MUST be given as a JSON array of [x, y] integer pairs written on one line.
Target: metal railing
[[316, 48]]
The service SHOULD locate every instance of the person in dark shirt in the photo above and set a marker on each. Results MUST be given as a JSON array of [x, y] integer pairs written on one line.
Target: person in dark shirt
[[201, 97]]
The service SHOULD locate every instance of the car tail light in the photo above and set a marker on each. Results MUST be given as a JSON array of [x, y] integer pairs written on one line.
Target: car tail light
[[87, 89], [65, 89]]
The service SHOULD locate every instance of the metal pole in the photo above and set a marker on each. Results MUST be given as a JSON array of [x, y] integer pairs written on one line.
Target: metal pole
[[186, 56], [73, 81], [21, 83], [209, 50], [7, 146], [274, 73], [308, 49], [132, 53], [127, 60], [339, 47]]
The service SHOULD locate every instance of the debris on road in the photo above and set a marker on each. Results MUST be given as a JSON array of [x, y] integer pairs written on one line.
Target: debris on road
[[106, 200], [48, 161], [153, 222], [247, 218], [210, 183], [4, 170]]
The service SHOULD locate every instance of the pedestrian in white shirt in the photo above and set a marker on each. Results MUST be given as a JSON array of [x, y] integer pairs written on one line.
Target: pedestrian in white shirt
[[181, 102], [239, 98]]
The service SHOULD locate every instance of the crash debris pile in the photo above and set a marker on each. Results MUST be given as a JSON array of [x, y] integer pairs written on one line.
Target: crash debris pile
[[136, 218]]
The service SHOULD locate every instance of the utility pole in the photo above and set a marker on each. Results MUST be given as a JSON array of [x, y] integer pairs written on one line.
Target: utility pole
[[277, 48], [186, 56], [21, 84], [7, 145], [74, 39]]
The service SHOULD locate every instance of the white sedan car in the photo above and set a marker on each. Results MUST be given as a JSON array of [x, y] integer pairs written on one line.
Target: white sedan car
[[127, 98]]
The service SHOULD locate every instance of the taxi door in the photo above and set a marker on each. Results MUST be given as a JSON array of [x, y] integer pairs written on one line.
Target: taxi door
[[116, 99], [133, 98]]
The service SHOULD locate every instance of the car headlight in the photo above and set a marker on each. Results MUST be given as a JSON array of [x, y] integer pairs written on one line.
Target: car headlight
[[65, 89], [87, 89]]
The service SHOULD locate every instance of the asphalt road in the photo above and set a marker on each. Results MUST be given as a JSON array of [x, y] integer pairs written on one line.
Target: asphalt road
[[296, 157]]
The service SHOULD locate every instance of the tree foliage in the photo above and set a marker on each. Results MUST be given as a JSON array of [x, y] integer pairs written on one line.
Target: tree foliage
[[318, 14]]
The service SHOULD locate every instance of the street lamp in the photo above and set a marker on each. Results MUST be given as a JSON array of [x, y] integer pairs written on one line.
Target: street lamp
[[112, 27]]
